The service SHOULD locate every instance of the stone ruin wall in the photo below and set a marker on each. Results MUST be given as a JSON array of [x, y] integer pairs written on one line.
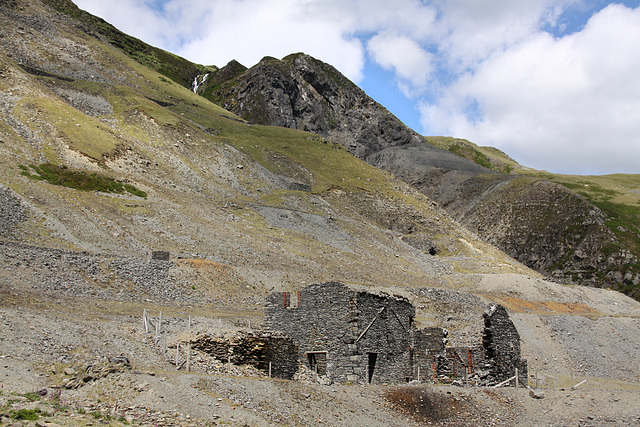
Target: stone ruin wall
[[270, 353], [385, 350], [338, 323], [318, 319], [501, 343]]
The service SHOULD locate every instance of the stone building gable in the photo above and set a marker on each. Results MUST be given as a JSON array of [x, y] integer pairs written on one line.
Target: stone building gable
[[385, 339], [347, 335]]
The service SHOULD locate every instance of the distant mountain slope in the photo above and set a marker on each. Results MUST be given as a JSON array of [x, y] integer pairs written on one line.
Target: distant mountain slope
[[303, 93], [595, 235], [548, 227]]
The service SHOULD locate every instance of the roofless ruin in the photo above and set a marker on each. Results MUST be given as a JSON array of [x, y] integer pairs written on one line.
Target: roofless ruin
[[353, 336]]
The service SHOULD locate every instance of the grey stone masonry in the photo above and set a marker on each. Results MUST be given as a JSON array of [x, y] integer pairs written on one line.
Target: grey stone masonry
[[501, 343], [350, 336], [160, 255]]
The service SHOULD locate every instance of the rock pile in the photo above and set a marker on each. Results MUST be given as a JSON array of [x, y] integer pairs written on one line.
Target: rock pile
[[11, 212], [94, 372]]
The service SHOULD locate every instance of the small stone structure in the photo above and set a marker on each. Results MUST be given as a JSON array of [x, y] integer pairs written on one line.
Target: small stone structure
[[354, 336], [160, 255], [270, 353]]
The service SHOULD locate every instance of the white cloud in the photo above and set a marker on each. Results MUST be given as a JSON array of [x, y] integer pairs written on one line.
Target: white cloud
[[131, 17], [217, 31], [472, 30], [412, 64], [275, 28], [568, 104]]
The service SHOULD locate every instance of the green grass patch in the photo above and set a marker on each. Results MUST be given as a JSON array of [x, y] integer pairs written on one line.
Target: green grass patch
[[28, 414], [84, 134], [489, 157], [79, 180], [32, 397]]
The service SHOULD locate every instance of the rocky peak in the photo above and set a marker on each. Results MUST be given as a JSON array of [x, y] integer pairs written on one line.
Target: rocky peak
[[302, 92]]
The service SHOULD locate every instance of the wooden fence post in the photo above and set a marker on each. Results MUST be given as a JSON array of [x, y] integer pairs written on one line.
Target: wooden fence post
[[571, 378]]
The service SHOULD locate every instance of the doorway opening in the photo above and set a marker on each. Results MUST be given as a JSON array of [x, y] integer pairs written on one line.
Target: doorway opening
[[318, 362], [371, 366]]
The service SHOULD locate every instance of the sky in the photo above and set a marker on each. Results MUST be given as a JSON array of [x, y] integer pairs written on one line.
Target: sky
[[555, 84]]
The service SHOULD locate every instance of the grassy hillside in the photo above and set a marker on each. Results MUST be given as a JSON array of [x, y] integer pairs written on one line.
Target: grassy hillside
[[105, 160], [489, 157], [278, 206]]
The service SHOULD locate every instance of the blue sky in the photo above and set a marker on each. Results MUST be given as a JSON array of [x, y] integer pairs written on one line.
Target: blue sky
[[553, 83]]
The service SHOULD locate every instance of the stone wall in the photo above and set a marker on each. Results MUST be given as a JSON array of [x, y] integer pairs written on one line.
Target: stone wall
[[86, 274], [501, 343], [348, 336], [428, 345], [384, 342], [160, 255], [353, 336], [257, 350]]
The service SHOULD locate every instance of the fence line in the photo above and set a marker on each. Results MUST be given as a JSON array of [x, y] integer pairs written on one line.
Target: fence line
[[536, 379]]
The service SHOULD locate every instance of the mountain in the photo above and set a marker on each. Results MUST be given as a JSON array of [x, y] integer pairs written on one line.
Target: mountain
[[124, 194], [539, 219]]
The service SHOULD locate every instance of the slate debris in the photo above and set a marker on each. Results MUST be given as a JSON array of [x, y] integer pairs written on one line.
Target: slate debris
[[90, 373]]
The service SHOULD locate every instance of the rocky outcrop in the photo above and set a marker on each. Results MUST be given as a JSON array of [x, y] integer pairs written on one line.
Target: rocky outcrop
[[12, 213], [549, 228], [304, 93]]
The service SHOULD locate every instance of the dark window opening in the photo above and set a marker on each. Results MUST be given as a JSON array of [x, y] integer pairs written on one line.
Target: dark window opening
[[318, 362], [371, 365]]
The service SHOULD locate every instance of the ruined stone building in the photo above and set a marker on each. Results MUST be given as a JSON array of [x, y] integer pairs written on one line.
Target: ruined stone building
[[354, 336], [347, 335]]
